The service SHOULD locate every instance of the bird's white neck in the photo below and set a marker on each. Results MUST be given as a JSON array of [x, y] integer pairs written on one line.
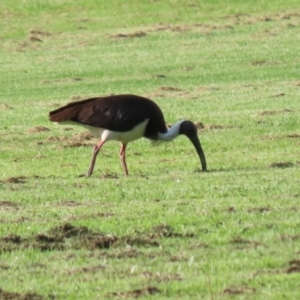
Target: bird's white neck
[[171, 134]]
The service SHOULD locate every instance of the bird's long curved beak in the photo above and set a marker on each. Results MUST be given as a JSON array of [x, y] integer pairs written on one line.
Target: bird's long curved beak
[[196, 142]]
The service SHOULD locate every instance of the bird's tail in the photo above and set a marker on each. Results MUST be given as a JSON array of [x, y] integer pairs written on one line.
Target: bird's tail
[[68, 112], [60, 115]]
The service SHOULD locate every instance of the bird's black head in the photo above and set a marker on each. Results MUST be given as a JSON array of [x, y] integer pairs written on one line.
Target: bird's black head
[[189, 129]]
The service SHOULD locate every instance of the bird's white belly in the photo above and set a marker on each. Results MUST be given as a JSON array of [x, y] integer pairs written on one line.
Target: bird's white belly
[[124, 137]]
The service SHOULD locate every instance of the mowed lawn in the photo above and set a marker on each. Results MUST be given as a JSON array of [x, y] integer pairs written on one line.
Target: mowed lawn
[[168, 230]]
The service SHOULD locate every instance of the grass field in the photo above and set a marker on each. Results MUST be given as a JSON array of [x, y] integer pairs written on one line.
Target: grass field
[[167, 230]]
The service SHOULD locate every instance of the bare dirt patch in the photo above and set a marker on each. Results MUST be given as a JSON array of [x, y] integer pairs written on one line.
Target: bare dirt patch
[[231, 209], [282, 165], [274, 112], [8, 205], [68, 203], [280, 137], [199, 246], [109, 176], [259, 209], [165, 230], [200, 28], [79, 140], [19, 179], [242, 243], [294, 266], [207, 127], [127, 252], [67, 236], [89, 269], [246, 19], [278, 95], [169, 91], [136, 293], [199, 125], [259, 63], [38, 129], [239, 290], [159, 277], [136, 34], [289, 237], [35, 38], [61, 237], [39, 33], [4, 106], [294, 136], [84, 139], [215, 126], [63, 80], [16, 296], [239, 240]]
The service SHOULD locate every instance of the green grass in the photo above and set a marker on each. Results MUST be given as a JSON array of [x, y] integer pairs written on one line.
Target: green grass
[[233, 232]]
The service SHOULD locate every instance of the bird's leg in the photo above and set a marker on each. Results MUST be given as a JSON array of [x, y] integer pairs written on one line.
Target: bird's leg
[[123, 159], [95, 153]]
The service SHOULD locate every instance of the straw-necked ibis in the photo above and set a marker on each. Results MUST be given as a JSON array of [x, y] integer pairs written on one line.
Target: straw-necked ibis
[[124, 118]]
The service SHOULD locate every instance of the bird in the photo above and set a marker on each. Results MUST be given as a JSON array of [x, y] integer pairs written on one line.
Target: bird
[[124, 118]]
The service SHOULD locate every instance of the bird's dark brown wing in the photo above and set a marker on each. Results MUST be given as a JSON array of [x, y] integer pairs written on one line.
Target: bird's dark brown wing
[[117, 113]]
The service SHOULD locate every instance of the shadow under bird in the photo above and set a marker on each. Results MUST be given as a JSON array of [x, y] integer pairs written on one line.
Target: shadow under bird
[[124, 118]]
